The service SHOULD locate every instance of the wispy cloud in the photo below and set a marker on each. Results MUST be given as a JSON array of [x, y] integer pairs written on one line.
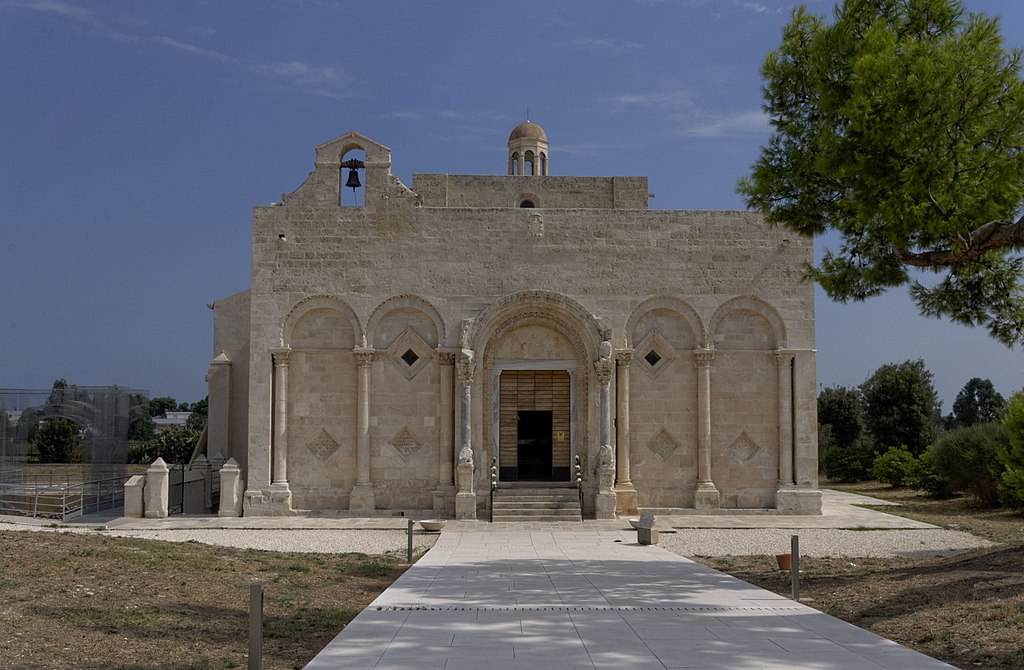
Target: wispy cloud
[[404, 114], [322, 80], [609, 44], [690, 119]]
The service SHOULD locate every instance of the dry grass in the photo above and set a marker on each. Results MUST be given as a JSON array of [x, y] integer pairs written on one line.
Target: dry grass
[[966, 610], [91, 601]]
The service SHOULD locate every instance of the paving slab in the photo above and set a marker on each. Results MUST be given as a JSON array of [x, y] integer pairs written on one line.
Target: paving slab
[[592, 599]]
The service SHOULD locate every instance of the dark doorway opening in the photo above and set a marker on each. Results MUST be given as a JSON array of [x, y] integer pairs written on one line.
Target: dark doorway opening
[[533, 445]]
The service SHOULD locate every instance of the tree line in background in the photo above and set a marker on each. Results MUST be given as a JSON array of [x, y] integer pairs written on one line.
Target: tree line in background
[[891, 428], [172, 443]]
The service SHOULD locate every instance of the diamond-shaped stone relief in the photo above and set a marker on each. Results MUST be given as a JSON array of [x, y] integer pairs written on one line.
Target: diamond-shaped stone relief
[[409, 353], [663, 444], [406, 444], [322, 445], [744, 448], [654, 353]]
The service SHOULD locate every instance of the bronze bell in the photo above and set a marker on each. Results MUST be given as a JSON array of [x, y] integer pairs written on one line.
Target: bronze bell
[[353, 179]]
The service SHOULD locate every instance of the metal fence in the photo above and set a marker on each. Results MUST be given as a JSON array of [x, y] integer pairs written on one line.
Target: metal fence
[[45, 496]]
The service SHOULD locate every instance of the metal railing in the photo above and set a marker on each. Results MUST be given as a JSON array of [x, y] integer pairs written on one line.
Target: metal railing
[[42, 496]]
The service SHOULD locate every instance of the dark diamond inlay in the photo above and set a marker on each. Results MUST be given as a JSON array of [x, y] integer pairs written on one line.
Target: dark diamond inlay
[[410, 357], [652, 357]]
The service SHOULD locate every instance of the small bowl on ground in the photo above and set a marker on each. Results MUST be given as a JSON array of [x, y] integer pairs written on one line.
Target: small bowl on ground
[[634, 521], [432, 525]]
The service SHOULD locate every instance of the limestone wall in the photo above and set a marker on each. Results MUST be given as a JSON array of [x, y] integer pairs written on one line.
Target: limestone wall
[[445, 190]]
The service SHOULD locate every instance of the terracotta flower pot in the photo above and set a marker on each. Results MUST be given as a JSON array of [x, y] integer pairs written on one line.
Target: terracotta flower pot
[[785, 561]]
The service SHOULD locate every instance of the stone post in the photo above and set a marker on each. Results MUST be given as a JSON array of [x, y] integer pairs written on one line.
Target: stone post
[[625, 492], [604, 501], [465, 499], [706, 496], [218, 425], [157, 490], [134, 502], [361, 498], [230, 489], [445, 448]]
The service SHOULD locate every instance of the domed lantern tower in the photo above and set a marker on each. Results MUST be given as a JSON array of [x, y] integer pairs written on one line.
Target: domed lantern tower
[[528, 150]]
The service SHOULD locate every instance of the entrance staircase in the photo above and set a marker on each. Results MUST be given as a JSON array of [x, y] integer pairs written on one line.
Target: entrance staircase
[[537, 501]]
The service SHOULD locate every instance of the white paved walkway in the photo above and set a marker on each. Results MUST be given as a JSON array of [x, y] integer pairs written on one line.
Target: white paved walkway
[[592, 599]]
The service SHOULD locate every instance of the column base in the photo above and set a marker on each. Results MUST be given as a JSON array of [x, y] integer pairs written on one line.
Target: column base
[[625, 499], [361, 498], [792, 500], [706, 497], [465, 505], [443, 499], [268, 502], [604, 505]]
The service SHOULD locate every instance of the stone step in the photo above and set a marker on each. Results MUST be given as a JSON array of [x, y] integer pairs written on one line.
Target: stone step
[[534, 514], [536, 504], [568, 497]]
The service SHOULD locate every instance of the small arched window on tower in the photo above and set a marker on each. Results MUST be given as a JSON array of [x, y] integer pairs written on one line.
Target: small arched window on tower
[[528, 157], [527, 203], [352, 192], [543, 160], [514, 164]]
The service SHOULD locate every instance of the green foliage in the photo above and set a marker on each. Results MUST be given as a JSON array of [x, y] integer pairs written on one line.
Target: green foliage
[[174, 445], [977, 402], [56, 440], [162, 405], [898, 126], [200, 411], [900, 404], [967, 458], [926, 478], [895, 467], [1011, 485], [842, 409], [848, 464]]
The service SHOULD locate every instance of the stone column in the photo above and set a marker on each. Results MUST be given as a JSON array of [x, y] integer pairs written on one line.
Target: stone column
[[230, 490], [279, 445], [445, 448], [802, 496], [706, 495], [465, 499], [784, 363], [361, 498], [604, 502], [218, 425], [625, 493]]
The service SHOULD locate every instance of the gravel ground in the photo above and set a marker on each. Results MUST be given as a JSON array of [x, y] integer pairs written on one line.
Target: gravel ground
[[820, 542], [685, 541]]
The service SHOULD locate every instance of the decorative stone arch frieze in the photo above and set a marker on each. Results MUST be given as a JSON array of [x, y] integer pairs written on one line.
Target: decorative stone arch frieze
[[754, 305], [591, 327], [405, 301], [310, 303], [670, 303]]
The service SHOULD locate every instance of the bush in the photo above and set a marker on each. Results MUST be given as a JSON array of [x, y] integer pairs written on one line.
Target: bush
[[174, 445], [967, 457], [848, 464], [926, 478], [895, 467], [1011, 487]]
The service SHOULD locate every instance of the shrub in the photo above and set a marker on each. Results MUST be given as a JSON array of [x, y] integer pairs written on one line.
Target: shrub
[[895, 467], [967, 458], [1011, 487], [174, 445], [926, 478], [848, 464]]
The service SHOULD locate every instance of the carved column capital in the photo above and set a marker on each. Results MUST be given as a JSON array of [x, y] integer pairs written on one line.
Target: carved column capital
[[624, 357], [446, 357], [603, 367], [363, 357], [280, 357], [783, 357], [703, 358]]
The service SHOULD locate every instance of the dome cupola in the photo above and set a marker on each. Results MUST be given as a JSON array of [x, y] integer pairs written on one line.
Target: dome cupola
[[528, 150]]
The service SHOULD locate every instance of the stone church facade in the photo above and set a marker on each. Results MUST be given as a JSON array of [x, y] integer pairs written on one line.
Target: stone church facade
[[403, 353]]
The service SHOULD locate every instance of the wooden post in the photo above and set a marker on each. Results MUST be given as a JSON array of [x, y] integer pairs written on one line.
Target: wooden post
[[794, 549]]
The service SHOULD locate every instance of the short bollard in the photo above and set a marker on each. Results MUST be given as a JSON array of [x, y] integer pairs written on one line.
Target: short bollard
[[256, 626], [646, 533], [408, 552], [794, 550]]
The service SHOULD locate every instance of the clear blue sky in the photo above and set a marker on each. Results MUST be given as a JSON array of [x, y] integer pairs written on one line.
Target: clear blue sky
[[136, 137]]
